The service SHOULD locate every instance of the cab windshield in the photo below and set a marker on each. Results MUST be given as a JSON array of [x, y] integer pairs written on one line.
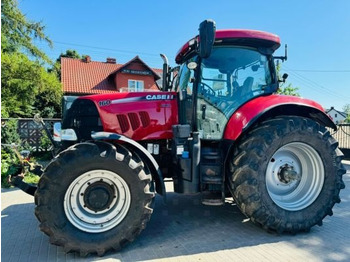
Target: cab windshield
[[230, 77], [233, 75]]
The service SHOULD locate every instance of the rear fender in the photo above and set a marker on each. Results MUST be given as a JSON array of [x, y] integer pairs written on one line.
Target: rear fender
[[141, 151], [265, 107]]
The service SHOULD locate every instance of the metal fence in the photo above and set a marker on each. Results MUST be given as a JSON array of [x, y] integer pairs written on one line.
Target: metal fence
[[29, 131], [342, 135]]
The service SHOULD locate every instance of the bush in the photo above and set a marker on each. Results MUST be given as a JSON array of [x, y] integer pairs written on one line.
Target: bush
[[45, 143], [10, 163], [9, 160], [9, 166]]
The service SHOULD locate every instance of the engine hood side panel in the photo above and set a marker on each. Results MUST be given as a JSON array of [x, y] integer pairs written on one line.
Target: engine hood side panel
[[138, 115]]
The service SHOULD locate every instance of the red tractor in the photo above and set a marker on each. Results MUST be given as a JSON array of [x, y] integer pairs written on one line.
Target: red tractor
[[217, 128]]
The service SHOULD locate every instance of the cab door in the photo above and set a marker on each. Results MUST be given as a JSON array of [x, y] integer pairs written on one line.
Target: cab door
[[185, 87], [213, 100]]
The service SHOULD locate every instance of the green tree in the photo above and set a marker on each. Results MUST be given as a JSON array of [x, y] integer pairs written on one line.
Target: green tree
[[289, 89], [18, 84], [28, 88], [346, 109], [57, 66], [48, 100], [69, 53], [26, 85], [286, 88], [18, 33]]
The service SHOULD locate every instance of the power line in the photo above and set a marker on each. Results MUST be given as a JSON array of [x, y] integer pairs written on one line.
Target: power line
[[157, 55], [321, 71], [314, 85], [106, 49], [310, 85], [309, 80], [102, 52]]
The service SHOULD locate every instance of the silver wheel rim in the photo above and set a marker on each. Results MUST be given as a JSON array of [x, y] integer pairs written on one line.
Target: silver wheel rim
[[80, 213], [295, 176]]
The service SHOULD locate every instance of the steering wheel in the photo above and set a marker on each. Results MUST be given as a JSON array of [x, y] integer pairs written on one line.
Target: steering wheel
[[207, 90]]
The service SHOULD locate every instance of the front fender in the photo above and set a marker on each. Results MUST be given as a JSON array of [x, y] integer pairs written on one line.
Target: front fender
[[147, 157], [271, 106]]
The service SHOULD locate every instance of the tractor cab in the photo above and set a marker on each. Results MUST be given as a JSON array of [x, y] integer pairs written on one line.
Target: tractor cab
[[238, 68], [220, 71]]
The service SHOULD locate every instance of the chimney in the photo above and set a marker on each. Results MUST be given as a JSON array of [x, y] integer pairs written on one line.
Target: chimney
[[111, 60], [87, 59]]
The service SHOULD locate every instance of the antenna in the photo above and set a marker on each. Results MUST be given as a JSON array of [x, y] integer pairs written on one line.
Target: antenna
[[283, 58]]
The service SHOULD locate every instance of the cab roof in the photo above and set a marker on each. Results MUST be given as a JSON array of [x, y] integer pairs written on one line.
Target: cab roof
[[236, 37]]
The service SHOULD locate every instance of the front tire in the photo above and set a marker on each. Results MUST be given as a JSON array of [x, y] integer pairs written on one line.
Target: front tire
[[286, 174], [94, 197]]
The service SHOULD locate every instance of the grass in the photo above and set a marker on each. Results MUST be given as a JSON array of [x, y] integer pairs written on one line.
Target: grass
[[31, 178]]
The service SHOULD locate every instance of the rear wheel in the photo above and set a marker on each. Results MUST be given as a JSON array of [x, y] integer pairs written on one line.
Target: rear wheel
[[94, 197], [286, 174]]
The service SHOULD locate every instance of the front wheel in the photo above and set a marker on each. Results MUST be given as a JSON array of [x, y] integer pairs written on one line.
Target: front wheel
[[94, 197], [286, 174]]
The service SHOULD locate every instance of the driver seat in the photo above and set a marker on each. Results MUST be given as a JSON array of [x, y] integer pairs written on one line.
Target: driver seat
[[246, 88]]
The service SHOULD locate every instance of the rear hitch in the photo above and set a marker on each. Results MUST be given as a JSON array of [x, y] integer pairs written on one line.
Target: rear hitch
[[17, 181]]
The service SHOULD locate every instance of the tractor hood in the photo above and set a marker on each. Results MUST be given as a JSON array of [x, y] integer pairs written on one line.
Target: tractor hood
[[137, 115]]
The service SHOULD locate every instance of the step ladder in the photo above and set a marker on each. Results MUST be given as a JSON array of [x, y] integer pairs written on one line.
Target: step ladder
[[212, 177]]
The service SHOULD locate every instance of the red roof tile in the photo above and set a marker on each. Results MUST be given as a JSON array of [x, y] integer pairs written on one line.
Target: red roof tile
[[80, 77]]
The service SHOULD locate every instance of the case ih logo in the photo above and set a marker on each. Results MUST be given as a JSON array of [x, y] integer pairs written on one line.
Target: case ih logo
[[159, 97], [104, 102]]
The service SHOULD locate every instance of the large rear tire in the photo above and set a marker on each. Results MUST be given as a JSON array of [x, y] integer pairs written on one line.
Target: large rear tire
[[94, 197], [286, 174]]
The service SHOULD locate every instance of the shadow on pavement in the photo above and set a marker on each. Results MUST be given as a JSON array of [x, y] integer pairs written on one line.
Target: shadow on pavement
[[183, 227]]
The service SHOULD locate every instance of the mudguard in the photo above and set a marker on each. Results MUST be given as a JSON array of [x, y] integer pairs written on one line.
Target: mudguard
[[160, 186], [271, 106]]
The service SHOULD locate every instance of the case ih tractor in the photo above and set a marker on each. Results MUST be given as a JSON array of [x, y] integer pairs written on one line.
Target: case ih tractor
[[217, 128]]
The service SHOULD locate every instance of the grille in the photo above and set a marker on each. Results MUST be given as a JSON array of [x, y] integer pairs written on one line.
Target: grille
[[123, 123], [145, 120], [134, 120], [83, 117]]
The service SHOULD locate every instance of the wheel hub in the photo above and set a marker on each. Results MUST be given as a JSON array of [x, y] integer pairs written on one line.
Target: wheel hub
[[99, 196], [295, 176], [287, 174], [97, 201]]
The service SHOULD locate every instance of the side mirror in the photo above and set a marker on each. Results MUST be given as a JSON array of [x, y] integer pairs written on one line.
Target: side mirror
[[206, 37], [284, 77]]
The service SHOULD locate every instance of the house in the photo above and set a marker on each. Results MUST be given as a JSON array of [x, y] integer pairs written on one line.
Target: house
[[84, 77], [337, 116]]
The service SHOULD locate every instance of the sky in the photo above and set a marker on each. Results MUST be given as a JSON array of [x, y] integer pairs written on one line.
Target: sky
[[317, 34]]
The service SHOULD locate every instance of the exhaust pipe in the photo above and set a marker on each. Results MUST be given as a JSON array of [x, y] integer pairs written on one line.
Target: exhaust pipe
[[165, 72]]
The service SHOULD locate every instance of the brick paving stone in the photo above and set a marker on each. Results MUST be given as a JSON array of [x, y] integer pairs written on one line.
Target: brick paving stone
[[185, 230]]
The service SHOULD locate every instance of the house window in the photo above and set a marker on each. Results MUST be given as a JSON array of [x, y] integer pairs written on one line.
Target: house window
[[135, 86], [336, 115]]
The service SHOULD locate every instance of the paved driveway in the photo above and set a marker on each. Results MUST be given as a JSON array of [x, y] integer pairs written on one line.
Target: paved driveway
[[185, 230]]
